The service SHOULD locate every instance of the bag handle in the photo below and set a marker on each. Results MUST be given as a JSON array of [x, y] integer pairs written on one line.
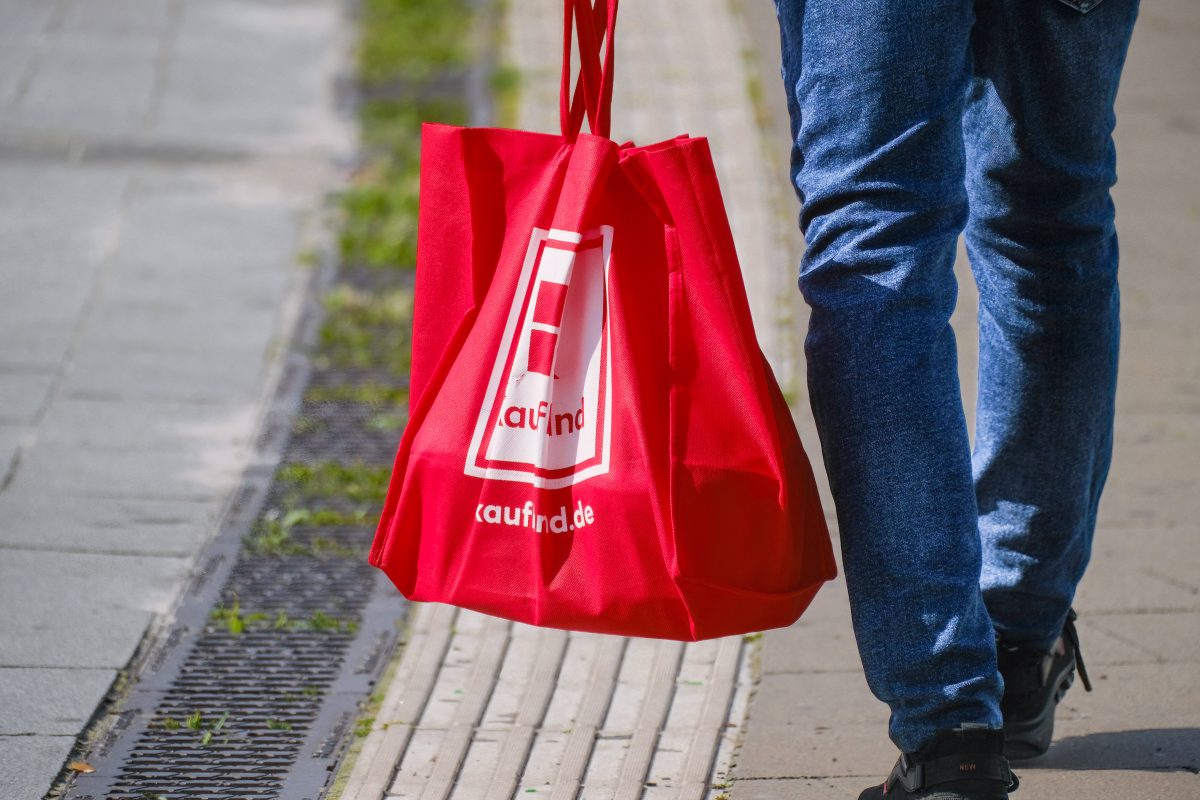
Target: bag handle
[[594, 86]]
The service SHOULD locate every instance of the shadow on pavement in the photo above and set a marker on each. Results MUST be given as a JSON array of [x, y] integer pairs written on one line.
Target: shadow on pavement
[[1159, 749]]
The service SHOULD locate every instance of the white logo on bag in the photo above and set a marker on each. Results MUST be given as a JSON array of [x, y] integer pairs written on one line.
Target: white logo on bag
[[545, 415]]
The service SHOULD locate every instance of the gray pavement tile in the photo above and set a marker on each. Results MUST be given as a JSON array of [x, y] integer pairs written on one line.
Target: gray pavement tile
[[818, 698], [1100, 782], [152, 376], [1152, 486], [50, 701], [276, 53], [192, 223], [811, 646], [1142, 569], [1035, 785], [22, 393], [114, 20], [37, 349], [1101, 648], [21, 19], [74, 472], [1148, 428], [90, 86], [213, 330], [16, 57], [1082, 745], [29, 764], [256, 289], [798, 789], [69, 218], [1131, 697], [105, 524], [1173, 638], [147, 426], [814, 750], [10, 440], [77, 610]]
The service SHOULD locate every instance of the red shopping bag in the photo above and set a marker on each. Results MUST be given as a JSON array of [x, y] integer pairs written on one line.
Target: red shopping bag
[[595, 440]]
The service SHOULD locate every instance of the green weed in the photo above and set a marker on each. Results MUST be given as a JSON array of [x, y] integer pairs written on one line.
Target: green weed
[[355, 482]]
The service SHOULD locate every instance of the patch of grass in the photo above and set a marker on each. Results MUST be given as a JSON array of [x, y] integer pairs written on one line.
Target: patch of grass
[[326, 623], [356, 482], [363, 726], [273, 534], [379, 227], [233, 619], [506, 88], [367, 330], [303, 424], [278, 725], [405, 45], [412, 38], [377, 395], [387, 423]]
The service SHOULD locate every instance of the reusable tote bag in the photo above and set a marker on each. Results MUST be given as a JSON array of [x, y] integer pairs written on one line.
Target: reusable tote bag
[[595, 440]]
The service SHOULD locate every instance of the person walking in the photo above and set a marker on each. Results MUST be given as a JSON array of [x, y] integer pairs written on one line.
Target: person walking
[[913, 122]]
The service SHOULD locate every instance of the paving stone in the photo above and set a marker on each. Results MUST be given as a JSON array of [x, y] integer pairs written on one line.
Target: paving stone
[[818, 698], [28, 764], [68, 219], [816, 749], [798, 789], [75, 610], [119, 473], [22, 394], [105, 373], [116, 19], [1151, 486], [1173, 638], [1142, 569], [811, 646], [22, 19], [1101, 648], [50, 701], [1101, 782], [16, 57], [209, 430], [10, 441], [279, 55], [213, 332], [140, 525], [91, 86]]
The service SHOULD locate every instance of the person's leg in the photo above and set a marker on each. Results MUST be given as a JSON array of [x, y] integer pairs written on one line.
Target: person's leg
[[876, 91], [1043, 248]]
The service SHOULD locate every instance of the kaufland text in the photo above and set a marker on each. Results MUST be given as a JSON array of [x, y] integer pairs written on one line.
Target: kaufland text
[[543, 417], [526, 516]]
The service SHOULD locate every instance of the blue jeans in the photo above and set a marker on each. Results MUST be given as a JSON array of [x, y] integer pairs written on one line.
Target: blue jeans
[[913, 121]]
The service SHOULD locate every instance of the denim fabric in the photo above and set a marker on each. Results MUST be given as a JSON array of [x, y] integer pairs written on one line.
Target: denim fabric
[[913, 121]]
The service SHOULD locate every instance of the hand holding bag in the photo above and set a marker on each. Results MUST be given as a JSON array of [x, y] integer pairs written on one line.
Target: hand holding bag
[[595, 440]]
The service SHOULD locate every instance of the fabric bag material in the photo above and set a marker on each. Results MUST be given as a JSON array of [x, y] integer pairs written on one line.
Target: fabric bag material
[[595, 440]]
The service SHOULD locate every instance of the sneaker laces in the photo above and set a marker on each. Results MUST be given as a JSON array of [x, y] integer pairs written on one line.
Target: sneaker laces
[[1070, 634]]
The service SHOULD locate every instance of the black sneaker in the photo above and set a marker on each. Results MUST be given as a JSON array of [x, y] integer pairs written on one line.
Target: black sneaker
[[1034, 682], [966, 763]]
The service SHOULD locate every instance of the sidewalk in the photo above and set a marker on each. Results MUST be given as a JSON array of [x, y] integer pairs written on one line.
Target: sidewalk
[[484, 708], [162, 163]]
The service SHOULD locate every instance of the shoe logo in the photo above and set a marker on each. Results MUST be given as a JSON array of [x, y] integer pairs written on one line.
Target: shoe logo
[[968, 767], [545, 418]]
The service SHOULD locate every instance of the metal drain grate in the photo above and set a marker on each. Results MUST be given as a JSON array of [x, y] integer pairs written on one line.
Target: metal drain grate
[[253, 691]]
